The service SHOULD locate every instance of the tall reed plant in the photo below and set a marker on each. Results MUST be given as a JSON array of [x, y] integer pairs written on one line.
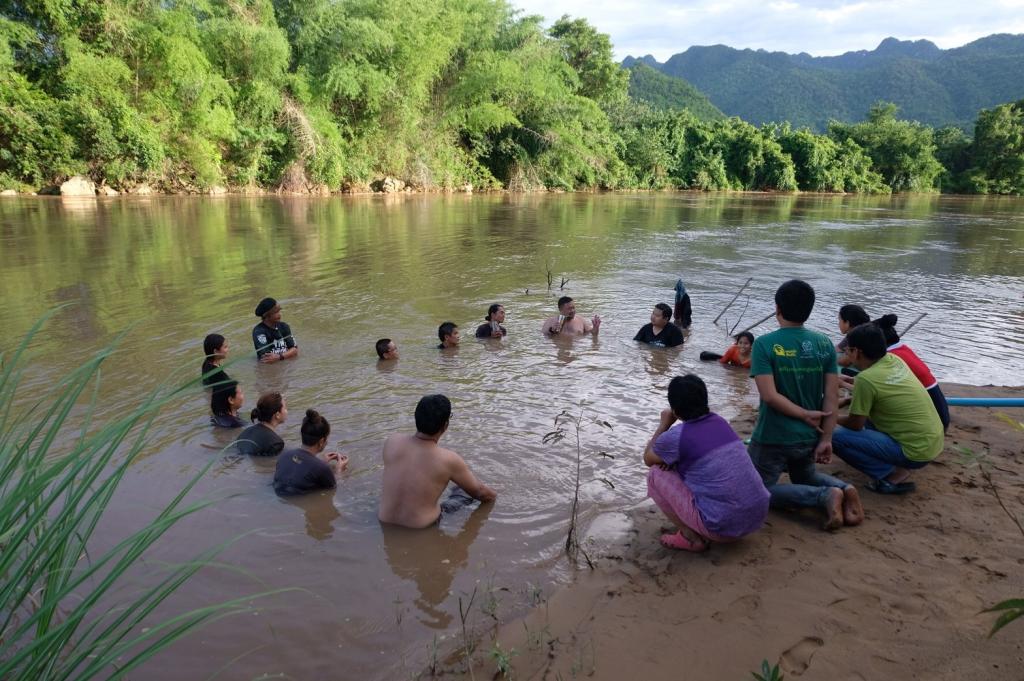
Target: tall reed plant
[[57, 481]]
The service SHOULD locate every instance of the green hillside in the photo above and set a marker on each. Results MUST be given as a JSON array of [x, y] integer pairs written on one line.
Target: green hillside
[[928, 84], [665, 92]]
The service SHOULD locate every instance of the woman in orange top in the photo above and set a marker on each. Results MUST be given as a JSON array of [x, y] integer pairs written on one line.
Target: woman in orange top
[[737, 355]]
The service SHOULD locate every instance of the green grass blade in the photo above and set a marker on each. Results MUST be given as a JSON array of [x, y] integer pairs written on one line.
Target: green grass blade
[[55, 620]]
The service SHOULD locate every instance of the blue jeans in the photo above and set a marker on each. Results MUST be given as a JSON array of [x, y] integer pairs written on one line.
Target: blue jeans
[[808, 487], [871, 451]]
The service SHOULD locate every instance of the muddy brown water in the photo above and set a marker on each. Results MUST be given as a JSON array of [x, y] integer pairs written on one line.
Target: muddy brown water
[[371, 601]]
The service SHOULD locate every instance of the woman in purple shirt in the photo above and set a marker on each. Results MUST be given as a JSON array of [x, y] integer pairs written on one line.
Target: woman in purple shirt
[[701, 476]]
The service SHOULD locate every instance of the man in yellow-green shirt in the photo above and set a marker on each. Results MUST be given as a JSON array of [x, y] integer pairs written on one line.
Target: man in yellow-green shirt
[[904, 432]]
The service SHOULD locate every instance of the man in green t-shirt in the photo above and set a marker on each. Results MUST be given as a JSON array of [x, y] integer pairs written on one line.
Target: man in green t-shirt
[[796, 375], [905, 431]]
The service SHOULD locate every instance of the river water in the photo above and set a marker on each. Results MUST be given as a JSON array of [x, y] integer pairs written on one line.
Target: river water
[[371, 601]]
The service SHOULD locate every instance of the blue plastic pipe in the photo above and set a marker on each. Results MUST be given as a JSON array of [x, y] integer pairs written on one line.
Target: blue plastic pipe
[[985, 401]]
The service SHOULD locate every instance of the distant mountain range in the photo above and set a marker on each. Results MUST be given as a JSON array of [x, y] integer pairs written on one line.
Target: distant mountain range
[[931, 85], [665, 92]]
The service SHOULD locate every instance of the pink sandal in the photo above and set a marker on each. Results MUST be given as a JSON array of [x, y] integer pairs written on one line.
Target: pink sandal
[[679, 541]]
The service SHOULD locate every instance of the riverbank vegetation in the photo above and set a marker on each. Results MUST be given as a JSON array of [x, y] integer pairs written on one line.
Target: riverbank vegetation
[[325, 95]]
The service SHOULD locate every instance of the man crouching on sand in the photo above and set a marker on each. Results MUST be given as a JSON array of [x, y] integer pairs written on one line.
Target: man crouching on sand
[[417, 470]]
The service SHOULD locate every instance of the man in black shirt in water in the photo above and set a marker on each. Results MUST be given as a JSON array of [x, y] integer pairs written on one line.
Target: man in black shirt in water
[[660, 332], [272, 337]]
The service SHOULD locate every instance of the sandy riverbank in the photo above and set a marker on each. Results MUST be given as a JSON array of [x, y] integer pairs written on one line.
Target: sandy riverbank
[[896, 598]]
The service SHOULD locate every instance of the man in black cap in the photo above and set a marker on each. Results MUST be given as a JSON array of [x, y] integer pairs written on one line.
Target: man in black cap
[[272, 337]]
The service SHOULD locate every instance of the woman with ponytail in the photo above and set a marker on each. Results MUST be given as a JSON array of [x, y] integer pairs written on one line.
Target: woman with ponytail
[[261, 438], [887, 324], [492, 328], [308, 468]]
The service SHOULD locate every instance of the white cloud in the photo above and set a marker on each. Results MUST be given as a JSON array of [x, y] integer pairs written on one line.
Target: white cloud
[[820, 27]]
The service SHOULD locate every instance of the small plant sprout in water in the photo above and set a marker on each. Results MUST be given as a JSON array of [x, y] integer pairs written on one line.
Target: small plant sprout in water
[[535, 594], [503, 660], [468, 644], [567, 422], [434, 651], [490, 602]]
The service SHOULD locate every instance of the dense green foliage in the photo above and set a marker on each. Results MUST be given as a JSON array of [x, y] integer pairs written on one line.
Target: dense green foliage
[[320, 94], [934, 86], [902, 151], [665, 92], [996, 156], [253, 92]]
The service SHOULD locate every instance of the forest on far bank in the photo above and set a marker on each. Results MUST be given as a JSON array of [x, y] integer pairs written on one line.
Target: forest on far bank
[[326, 95]]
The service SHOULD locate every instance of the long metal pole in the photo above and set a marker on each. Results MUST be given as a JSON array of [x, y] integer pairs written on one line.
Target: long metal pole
[[758, 322], [922, 316], [733, 300]]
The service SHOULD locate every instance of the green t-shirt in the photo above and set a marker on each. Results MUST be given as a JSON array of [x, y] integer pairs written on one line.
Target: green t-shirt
[[798, 359], [890, 395]]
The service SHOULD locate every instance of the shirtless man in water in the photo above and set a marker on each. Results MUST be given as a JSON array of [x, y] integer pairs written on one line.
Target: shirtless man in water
[[417, 470], [567, 323]]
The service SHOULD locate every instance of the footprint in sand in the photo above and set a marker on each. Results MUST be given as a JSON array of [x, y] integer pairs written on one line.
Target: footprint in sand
[[744, 606], [797, 659]]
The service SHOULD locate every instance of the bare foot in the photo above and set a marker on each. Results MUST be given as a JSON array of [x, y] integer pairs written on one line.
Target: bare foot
[[834, 509], [853, 512]]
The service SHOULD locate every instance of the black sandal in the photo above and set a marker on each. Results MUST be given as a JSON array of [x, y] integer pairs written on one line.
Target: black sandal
[[886, 487]]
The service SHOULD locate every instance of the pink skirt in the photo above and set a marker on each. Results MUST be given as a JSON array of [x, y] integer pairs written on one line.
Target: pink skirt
[[673, 497]]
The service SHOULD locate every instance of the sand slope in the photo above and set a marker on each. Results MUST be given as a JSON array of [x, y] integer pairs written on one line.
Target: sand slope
[[896, 598]]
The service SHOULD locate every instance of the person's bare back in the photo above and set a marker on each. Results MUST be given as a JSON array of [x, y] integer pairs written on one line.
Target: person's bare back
[[416, 472]]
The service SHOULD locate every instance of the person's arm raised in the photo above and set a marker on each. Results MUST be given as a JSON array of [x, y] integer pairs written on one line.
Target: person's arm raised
[[464, 478], [666, 419]]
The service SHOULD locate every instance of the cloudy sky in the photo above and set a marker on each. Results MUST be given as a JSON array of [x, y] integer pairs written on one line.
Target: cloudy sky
[[820, 27]]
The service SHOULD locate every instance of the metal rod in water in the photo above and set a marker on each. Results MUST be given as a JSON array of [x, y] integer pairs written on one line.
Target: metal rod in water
[[733, 300], [911, 325], [761, 321]]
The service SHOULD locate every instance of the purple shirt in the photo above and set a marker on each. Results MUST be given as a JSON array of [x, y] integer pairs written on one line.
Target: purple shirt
[[714, 464]]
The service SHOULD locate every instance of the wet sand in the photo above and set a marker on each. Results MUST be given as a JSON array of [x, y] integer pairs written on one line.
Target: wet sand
[[898, 597]]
